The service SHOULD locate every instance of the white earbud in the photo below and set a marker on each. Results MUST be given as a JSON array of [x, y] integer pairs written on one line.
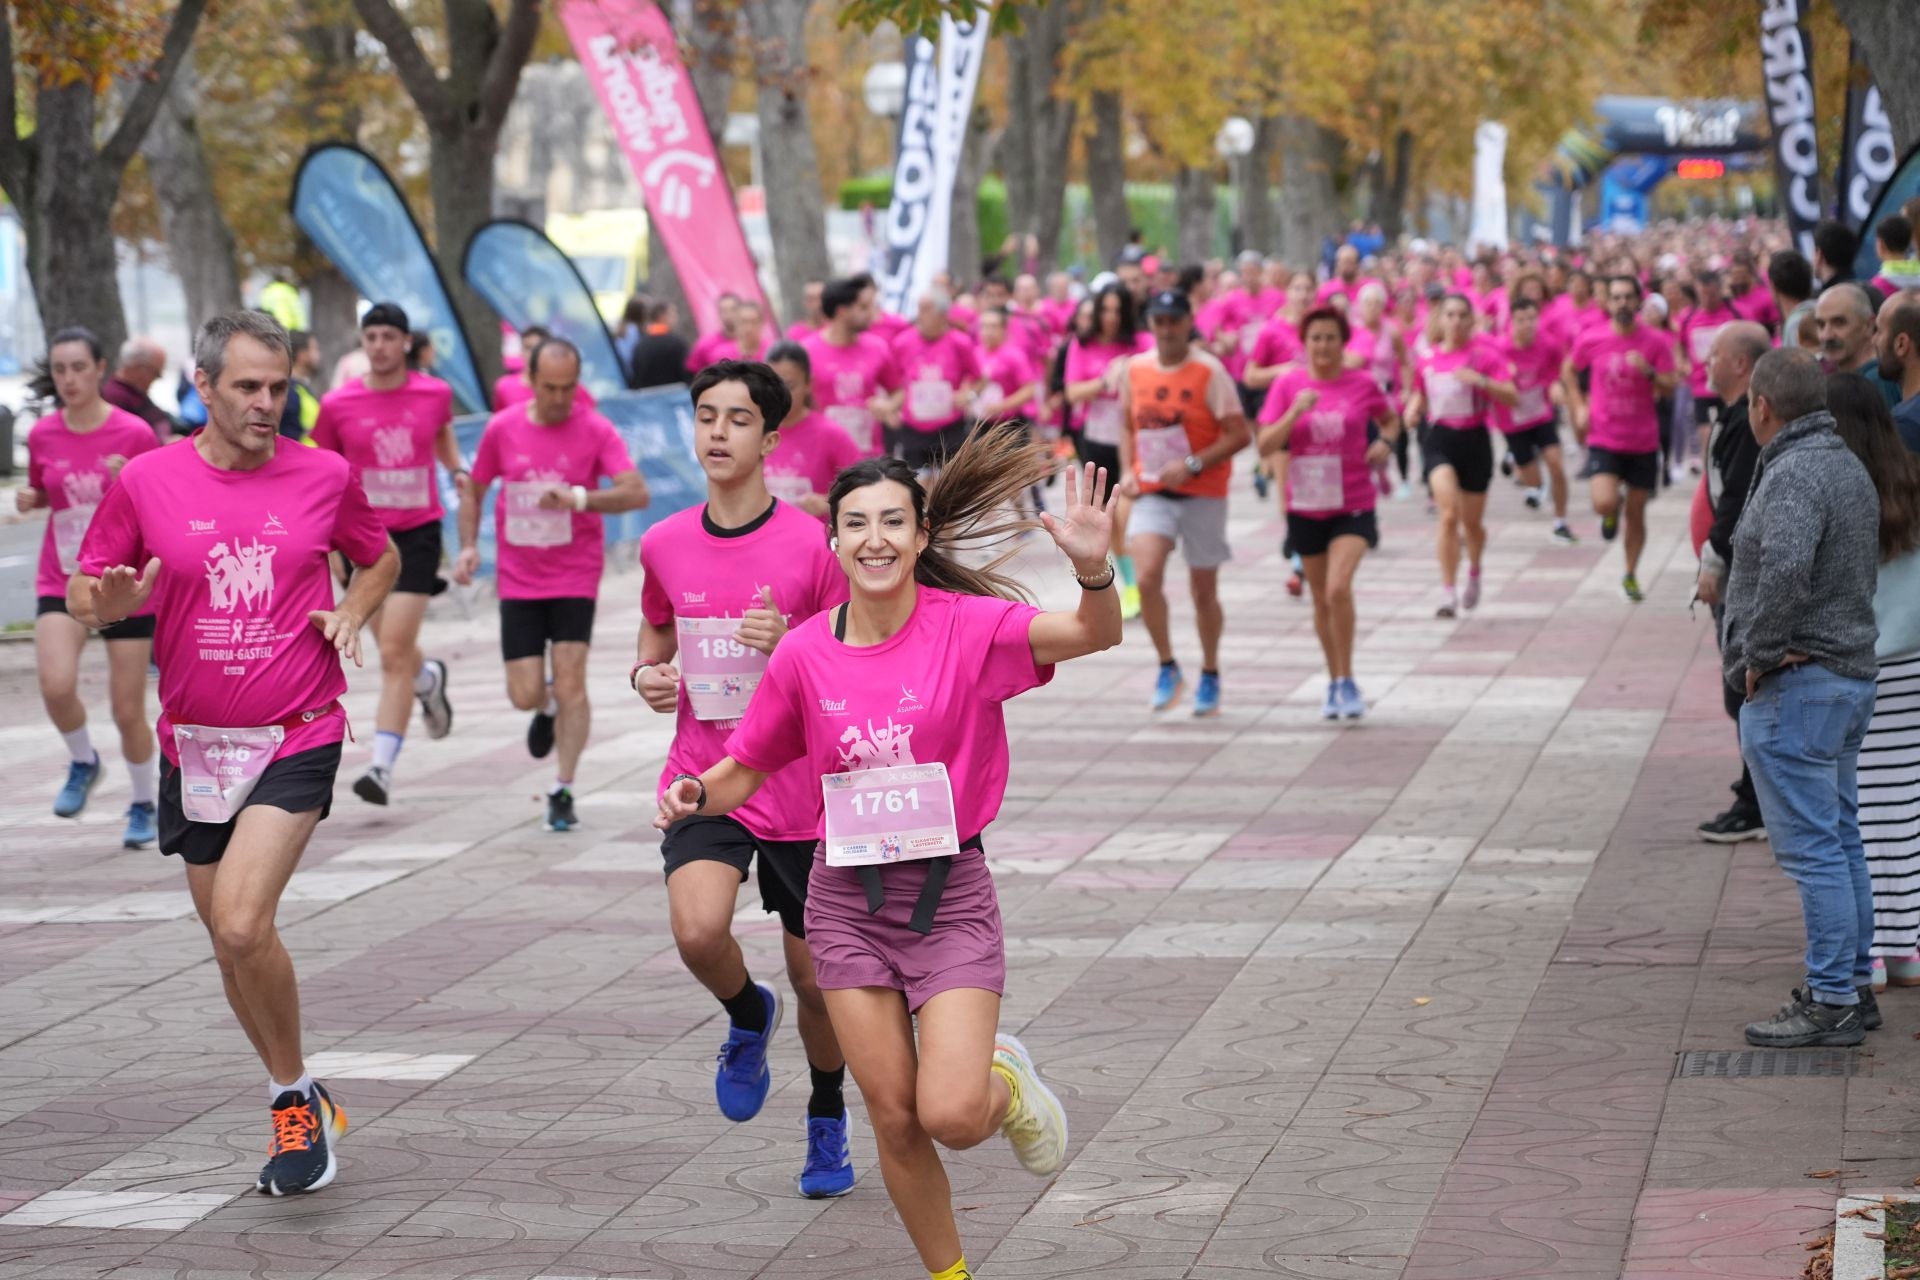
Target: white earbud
[[833, 544]]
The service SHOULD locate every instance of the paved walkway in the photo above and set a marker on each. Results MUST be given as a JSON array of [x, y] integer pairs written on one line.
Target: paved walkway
[[1400, 999]]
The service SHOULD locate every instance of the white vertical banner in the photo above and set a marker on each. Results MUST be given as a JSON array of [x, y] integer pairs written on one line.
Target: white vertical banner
[[1489, 229], [933, 130]]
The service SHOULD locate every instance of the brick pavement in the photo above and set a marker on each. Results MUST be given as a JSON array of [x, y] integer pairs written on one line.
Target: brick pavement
[[1400, 999]]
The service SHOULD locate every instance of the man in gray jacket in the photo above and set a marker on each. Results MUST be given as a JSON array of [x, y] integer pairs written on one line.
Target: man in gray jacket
[[1798, 638]]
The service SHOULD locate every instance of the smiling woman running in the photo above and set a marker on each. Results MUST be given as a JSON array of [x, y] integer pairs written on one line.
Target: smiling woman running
[[894, 699]]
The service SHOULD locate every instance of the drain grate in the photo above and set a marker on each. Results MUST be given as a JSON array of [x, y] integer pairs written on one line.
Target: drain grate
[[1697, 1064]]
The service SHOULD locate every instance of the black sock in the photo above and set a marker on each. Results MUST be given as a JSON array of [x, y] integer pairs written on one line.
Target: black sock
[[1206, 671], [827, 1102], [1170, 664], [748, 1009]]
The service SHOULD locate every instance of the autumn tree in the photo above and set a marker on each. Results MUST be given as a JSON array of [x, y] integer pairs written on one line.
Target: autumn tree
[[62, 180]]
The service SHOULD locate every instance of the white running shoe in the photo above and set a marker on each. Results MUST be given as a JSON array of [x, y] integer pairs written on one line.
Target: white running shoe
[[1036, 1123]]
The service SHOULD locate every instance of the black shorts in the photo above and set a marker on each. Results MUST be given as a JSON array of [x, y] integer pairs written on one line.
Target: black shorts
[[419, 549], [1637, 470], [1707, 409], [784, 864], [526, 626], [923, 449], [1468, 450], [297, 783], [1251, 401], [140, 628], [1312, 535], [1100, 455], [1528, 443]]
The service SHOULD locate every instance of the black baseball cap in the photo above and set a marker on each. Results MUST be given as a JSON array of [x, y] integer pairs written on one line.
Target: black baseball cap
[[387, 313], [1169, 302]]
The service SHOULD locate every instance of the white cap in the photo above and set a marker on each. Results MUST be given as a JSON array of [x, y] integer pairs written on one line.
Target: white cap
[[1101, 281]]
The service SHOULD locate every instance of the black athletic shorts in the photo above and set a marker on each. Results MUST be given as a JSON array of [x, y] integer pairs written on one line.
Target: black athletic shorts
[[1638, 470], [1312, 535], [1527, 443], [1468, 450], [1100, 455], [295, 783], [784, 864], [923, 449], [1707, 409], [419, 559], [140, 628], [527, 626]]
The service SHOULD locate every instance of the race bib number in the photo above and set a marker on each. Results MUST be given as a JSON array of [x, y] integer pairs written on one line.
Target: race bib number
[[930, 401], [897, 814], [1250, 335], [69, 531], [406, 488], [1317, 483], [1700, 343], [1105, 421], [1157, 448], [1532, 405], [220, 767], [858, 424], [718, 673], [1452, 399], [789, 489], [988, 396], [531, 525]]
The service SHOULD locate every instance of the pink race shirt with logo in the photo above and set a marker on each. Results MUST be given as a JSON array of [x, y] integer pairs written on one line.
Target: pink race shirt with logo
[[691, 573], [1089, 360], [931, 694], [810, 454], [1620, 398], [1329, 441], [1757, 305], [1534, 369], [1698, 329], [1278, 343], [933, 370], [243, 558], [845, 378], [1004, 369], [565, 559], [1450, 403], [70, 468], [511, 390], [388, 439]]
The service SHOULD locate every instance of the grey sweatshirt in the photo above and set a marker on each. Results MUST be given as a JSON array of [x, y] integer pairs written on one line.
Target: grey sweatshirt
[[1805, 558]]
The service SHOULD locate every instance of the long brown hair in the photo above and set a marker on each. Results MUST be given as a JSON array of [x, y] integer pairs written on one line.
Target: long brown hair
[[973, 503], [1860, 413]]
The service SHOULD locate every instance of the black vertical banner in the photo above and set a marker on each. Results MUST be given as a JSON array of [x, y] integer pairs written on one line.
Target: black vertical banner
[[1786, 54], [1867, 157]]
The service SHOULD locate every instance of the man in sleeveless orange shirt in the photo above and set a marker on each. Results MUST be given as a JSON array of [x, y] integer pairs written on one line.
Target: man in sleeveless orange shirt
[[1184, 424]]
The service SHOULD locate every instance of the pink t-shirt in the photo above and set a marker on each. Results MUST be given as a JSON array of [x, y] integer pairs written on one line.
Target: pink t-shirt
[[717, 347], [1698, 329], [1757, 305], [1225, 316], [693, 572], [70, 468], [547, 555], [1003, 369], [1278, 343], [1327, 472], [1267, 303], [1059, 313], [510, 391], [934, 370], [930, 694], [886, 326], [1533, 369], [1086, 361], [845, 378], [1620, 398], [962, 317], [810, 454], [800, 331], [1562, 321], [1449, 403], [243, 560], [388, 440]]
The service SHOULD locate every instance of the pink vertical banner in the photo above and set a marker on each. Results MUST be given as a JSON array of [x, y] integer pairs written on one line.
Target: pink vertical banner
[[628, 50]]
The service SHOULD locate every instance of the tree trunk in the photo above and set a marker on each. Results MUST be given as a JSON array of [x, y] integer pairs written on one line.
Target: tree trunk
[[1193, 199], [1107, 177], [1392, 218], [333, 314], [796, 220], [330, 40], [199, 241], [1255, 174], [70, 249], [1309, 206], [460, 176], [1039, 132], [708, 29], [1890, 38], [965, 254]]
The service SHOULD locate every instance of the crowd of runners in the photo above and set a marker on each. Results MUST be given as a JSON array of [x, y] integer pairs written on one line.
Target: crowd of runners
[[821, 628]]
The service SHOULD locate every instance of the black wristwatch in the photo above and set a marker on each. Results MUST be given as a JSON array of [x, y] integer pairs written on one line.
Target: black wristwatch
[[694, 779]]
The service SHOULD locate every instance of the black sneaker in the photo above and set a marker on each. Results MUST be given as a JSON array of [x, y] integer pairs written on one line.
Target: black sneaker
[[1506, 464], [1609, 527], [300, 1156], [374, 785], [540, 735], [1870, 1009], [1733, 826], [560, 815], [1802, 1022]]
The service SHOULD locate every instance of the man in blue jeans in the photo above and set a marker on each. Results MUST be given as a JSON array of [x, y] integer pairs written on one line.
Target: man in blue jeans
[[1798, 638]]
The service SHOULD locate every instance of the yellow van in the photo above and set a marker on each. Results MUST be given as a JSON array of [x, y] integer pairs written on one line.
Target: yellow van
[[609, 246]]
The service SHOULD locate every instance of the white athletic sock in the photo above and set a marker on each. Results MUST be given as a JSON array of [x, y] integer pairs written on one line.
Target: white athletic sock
[[80, 746], [274, 1088], [145, 776], [423, 679], [553, 705], [386, 748], [559, 785]]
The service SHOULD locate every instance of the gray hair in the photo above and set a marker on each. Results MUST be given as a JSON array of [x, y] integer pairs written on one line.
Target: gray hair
[[1791, 381], [137, 350], [210, 348], [1853, 296], [1747, 340]]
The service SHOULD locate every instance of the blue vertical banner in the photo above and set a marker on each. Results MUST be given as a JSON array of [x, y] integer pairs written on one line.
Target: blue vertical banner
[[527, 279], [354, 213]]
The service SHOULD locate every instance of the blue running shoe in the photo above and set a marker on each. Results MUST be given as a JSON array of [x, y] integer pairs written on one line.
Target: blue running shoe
[[141, 829], [741, 1083], [1330, 709], [300, 1156], [1168, 686], [1352, 705], [829, 1170], [1206, 696], [73, 797]]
